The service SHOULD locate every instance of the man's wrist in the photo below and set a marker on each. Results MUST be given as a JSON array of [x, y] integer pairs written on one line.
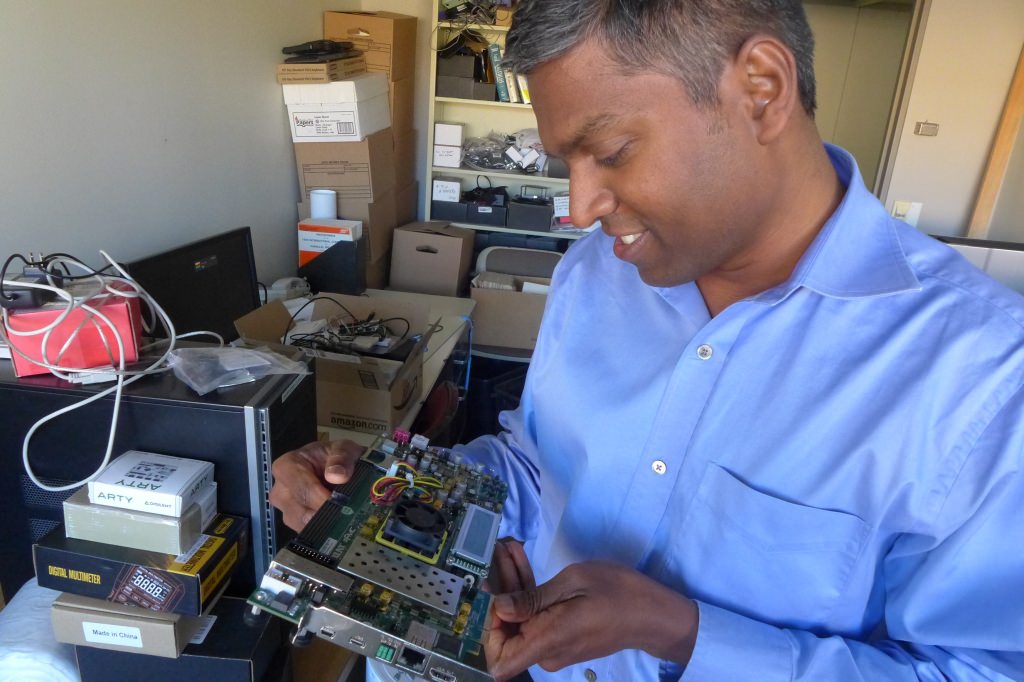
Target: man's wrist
[[669, 622]]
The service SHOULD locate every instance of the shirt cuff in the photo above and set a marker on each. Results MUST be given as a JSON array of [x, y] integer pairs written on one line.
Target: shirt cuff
[[733, 647]]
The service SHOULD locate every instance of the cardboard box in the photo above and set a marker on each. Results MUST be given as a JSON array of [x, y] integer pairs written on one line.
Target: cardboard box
[[377, 272], [231, 651], [316, 236], [334, 70], [387, 39], [406, 203], [402, 106], [378, 220], [160, 582], [357, 392], [344, 111], [509, 319], [90, 622], [355, 170], [446, 156], [405, 159], [85, 520], [94, 345], [431, 258], [503, 15], [446, 189], [448, 133]]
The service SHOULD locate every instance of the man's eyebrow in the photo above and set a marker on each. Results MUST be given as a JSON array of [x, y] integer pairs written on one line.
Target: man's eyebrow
[[590, 127]]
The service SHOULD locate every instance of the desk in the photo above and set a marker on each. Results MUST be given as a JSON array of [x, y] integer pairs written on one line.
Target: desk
[[451, 312]]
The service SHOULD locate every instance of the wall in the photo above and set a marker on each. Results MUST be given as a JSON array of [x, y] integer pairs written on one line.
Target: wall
[[857, 60], [966, 63], [135, 126]]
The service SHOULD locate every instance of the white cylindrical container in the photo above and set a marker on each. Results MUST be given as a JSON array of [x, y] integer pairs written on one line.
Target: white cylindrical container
[[323, 203]]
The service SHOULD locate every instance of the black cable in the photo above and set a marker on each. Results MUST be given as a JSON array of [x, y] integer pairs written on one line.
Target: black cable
[[263, 287], [291, 320], [3, 273]]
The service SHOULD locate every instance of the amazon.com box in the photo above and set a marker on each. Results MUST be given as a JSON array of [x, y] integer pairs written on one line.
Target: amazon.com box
[[360, 391], [184, 583]]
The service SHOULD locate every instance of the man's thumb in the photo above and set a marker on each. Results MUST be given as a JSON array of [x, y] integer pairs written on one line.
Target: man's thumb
[[518, 607]]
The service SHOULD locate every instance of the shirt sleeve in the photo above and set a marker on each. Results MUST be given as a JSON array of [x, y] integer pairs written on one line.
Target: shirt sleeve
[[954, 605], [511, 455]]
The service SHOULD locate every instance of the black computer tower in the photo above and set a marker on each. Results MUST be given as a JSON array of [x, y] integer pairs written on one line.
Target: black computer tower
[[240, 429]]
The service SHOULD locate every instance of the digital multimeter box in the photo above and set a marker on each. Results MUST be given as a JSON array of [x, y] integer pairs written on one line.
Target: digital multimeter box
[[183, 584]]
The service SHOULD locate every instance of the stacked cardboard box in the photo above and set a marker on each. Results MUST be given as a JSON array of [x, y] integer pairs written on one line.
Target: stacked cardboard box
[[388, 42]]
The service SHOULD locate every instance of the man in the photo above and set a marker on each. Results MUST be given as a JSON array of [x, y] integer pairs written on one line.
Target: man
[[768, 433]]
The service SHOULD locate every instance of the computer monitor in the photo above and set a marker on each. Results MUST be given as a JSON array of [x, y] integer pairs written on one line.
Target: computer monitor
[[1003, 261], [204, 285]]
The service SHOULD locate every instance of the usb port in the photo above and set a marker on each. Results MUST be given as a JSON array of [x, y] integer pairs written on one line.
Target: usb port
[[327, 633], [357, 641]]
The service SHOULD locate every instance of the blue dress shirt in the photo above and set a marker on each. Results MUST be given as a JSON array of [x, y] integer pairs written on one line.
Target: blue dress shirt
[[831, 468]]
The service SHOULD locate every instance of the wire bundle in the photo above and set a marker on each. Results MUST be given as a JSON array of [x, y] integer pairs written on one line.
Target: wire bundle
[[341, 333], [89, 301], [387, 489]]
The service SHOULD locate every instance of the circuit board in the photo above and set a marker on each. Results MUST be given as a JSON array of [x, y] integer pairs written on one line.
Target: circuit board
[[392, 565]]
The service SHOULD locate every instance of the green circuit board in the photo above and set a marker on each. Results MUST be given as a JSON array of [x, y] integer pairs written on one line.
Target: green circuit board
[[392, 565]]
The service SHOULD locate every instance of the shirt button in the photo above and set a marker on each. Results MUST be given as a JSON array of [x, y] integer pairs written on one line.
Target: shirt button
[[590, 675], [704, 351], [659, 467]]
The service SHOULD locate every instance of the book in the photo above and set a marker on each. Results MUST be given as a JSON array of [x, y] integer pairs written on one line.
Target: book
[[513, 88], [494, 53], [524, 89], [150, 482]]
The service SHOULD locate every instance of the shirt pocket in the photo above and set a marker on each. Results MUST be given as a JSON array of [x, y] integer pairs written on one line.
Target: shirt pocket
[[770, 559]]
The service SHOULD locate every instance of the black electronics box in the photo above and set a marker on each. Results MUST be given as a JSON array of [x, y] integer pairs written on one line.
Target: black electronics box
[[482, 214], [341, 269], [458, 65], [448, 210], [232, 651], [182, 584], [530, 214]]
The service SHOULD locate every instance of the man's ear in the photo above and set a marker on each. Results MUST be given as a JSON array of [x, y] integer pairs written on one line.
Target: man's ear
[[768, 82]]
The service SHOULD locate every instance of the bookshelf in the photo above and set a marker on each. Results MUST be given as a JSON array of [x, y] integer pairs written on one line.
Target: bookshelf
[[480, 117]]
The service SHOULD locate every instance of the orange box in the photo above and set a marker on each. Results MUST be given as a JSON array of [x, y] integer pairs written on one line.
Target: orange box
[[90, 336]]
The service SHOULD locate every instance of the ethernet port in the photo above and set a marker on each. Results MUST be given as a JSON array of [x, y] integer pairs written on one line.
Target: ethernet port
[[412, 660]]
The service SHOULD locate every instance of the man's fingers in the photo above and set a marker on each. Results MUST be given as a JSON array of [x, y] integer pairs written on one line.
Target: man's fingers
[[524, 572], [341, 460]]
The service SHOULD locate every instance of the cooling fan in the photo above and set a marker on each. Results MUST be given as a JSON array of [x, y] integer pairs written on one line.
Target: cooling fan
[[415, 528]]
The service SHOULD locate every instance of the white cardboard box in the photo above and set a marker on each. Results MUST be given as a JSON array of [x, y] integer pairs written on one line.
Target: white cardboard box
[[446, 189], [448, 133], [447, 156], [151, 482], [342, 111]]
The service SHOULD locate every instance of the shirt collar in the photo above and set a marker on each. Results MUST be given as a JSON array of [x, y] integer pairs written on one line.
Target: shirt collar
[[857, 253]]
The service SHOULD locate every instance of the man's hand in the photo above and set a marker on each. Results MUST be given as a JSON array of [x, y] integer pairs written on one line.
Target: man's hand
[[589, 610], [300, 475]]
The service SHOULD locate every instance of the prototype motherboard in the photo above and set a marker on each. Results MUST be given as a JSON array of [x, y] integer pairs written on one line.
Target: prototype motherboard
[[392, 565]]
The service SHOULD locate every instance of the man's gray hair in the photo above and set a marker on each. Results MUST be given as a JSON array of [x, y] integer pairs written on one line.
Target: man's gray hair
[[690, 40]]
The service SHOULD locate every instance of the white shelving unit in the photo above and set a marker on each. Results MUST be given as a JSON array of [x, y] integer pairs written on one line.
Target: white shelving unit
[[481, 117]]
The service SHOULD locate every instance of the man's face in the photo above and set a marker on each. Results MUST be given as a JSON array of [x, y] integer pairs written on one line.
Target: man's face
[[677, 185]]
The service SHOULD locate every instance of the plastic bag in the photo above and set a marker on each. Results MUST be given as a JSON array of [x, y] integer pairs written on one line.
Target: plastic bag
[[207, 369]]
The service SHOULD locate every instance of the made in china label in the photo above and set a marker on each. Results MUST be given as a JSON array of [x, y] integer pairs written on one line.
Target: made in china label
[[118, 635]]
